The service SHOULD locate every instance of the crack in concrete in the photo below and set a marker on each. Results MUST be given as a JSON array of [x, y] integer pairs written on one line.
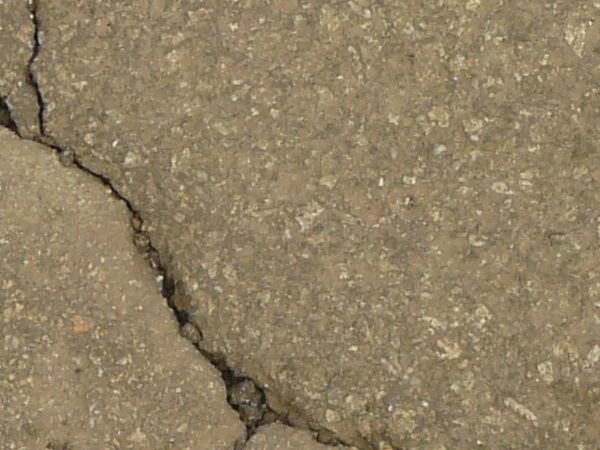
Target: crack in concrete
[[254, 412], [32, 5]]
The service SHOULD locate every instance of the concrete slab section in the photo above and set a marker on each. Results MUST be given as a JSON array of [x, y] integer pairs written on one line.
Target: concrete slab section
[[90, 354], [386, 213]]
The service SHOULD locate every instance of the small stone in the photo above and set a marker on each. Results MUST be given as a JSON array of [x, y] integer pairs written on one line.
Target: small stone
[[245, 392], [476, 241], [521, 410], [546, 371], [88, 138], [141, 241], [451, 349], [440, 116], [136, 222], [66, 157], [501, 188], [332, 416], [592, 357], [328, 181], [80, 325], [191, 332], [409, 179], [472, 5], [439, 150]]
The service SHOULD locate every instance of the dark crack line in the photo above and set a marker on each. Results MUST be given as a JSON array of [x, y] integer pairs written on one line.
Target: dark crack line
[[253, 414], [31, 79]]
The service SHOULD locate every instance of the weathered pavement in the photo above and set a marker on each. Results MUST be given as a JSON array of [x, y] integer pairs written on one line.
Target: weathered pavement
[[385, 213]]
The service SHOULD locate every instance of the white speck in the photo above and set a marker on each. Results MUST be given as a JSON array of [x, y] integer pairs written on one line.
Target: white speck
[[409, 180], [308, 214], [115, 143], [439, 149], [328, 181], [483, 315], [546, 371], [501, 188], [451, 349], [393, 119], [477, 241], [526, 175], [472, 5], [380, 182]]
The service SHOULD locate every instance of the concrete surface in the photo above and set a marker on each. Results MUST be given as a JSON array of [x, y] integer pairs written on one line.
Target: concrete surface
[[16, 44], [384, 212], [90, 355]]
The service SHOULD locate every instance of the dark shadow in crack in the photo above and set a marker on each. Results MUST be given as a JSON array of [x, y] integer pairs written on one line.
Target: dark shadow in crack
[[6, 119]]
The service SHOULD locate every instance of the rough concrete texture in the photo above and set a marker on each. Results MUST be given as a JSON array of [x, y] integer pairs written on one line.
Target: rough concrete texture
[[16, 44], [280, 437], [385, 212], [90, 356]]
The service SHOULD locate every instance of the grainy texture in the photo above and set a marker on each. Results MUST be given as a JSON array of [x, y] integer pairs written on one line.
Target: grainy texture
[[280, 437], [16, 49], [386, 212], [90, 356]]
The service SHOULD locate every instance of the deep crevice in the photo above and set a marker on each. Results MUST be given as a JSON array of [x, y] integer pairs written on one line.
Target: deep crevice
[[244, 394], [31, 79]]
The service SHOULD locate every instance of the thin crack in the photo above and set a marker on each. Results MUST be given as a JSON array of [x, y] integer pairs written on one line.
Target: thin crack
[[244, 394]]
